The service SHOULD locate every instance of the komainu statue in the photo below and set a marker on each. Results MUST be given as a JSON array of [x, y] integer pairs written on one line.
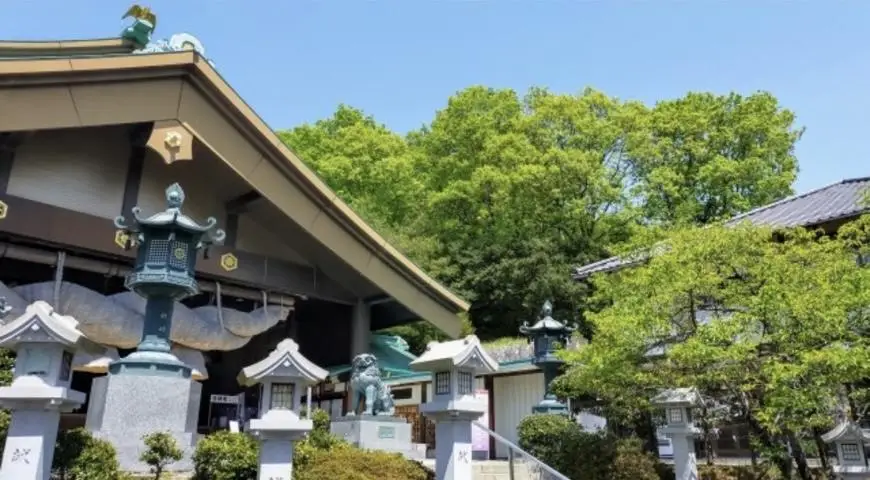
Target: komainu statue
[[366, 383]]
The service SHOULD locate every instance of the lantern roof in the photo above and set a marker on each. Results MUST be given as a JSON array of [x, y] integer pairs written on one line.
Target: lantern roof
[[546, 323], [846, 431], [284, 361], [677, 397], [40, 323], [172, 216], [465, 352]]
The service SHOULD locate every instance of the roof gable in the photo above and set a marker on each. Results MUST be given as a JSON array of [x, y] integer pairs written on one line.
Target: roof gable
[[79, 91]]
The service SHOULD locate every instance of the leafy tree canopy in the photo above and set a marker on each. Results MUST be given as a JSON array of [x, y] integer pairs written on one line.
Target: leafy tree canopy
[[501, 195], [769, 324]]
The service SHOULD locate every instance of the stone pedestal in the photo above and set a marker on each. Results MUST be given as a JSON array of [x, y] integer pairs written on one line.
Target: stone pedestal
[[453, 448], [277, 432], [685, 460], [124, 408], [376, 432], [30, 445]]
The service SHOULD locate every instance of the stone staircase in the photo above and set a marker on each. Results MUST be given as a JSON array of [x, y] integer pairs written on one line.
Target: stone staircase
[[500, 470], [494, 470]]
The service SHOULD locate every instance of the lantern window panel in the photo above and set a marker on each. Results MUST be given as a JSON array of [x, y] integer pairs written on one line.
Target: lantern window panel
[[180, 258], [675, 415], [442, 383], [851, 452], [466, 382], [158, 251], [65, 366], [281, 397]]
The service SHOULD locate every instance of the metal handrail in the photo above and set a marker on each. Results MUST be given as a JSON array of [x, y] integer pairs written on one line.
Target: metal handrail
[[512, 446]]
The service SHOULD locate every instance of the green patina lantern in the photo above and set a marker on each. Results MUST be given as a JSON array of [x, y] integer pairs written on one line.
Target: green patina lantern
[[547, 336], [168, 243]]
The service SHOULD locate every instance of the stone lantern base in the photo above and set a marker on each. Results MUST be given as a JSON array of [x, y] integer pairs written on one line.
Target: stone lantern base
[[124, 408]]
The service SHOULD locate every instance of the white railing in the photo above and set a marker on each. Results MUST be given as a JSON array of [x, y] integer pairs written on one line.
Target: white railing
[[547, 472]]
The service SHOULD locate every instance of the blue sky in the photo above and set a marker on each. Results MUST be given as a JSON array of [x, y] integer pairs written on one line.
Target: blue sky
[[399, 60]]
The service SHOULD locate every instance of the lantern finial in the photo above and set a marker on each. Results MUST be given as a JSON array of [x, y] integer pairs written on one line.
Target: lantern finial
[[547, 309], [174, 196]]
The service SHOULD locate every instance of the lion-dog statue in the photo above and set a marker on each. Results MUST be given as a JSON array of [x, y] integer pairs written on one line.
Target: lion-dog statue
[[365, 382]]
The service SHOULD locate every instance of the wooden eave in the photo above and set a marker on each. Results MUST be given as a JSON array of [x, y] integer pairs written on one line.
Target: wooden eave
[[86, 91]]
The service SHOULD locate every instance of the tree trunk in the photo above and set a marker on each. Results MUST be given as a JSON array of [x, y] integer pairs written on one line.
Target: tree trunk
[[775, 448], [800, 457], [823, 452]]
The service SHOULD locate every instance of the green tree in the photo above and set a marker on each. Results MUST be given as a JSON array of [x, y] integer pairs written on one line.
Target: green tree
[[707, 157], [161, 450], [519, 191], [770, 324]]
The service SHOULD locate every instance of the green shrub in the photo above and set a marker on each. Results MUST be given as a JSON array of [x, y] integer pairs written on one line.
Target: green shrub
[[564, 446], [226, 456], [632, 462], [319, 439], [80, 456], [355, 464], [161, 450]]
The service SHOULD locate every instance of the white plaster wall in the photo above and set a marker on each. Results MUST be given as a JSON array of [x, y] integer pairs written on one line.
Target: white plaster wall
[[80, 169], [515, 395]]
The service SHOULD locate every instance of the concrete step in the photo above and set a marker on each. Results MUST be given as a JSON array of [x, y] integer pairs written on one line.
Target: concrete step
[[494, 470]]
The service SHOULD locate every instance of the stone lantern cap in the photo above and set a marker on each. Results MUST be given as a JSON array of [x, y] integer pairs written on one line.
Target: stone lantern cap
[[172, 216], [677, 397], [463, 353], [846, 431], [285, 361], [39, 323], [546, 323]]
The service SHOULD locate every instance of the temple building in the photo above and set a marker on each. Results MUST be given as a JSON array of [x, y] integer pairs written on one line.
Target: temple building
[[90, 129]]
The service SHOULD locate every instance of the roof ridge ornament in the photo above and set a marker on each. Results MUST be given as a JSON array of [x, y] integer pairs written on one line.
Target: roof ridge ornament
[[144, 23]]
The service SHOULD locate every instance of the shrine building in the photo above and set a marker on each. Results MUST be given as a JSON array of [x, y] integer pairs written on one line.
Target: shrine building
[[90, 129]]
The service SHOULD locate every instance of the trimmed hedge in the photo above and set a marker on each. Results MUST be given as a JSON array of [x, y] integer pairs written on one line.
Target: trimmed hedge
[[355, 464]]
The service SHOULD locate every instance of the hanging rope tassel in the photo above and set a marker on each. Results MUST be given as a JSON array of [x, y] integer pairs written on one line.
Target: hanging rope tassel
[[220, 313], [58, 279]]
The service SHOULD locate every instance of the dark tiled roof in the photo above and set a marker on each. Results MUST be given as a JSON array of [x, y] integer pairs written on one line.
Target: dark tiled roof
[[840, 200]]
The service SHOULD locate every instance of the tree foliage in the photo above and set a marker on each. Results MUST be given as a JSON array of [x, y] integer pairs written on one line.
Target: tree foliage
[[499, 196], [770, 324]]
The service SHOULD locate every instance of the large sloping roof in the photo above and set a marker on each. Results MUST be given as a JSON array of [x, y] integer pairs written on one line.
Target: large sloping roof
[[68, 84], [837, 201]]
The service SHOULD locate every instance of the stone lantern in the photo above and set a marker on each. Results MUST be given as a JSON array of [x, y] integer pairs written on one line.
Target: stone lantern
[[547, 336], [454, 407], [151, 389], [678, 404], [168, 243], [283, 375], [45, 344], [849, 439]]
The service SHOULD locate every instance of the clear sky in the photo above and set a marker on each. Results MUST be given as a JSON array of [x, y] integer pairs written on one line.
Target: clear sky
[[294, 61]]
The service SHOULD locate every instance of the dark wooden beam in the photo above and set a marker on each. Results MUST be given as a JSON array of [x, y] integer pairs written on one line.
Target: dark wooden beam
[[232, 230], [138, 134], [241, 203], [378, 300], [39, 223], [9, 143]]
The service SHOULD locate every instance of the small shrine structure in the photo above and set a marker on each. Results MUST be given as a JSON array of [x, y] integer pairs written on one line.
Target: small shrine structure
[[282, 376], [454, 407], [45, 344], [850, 441]]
